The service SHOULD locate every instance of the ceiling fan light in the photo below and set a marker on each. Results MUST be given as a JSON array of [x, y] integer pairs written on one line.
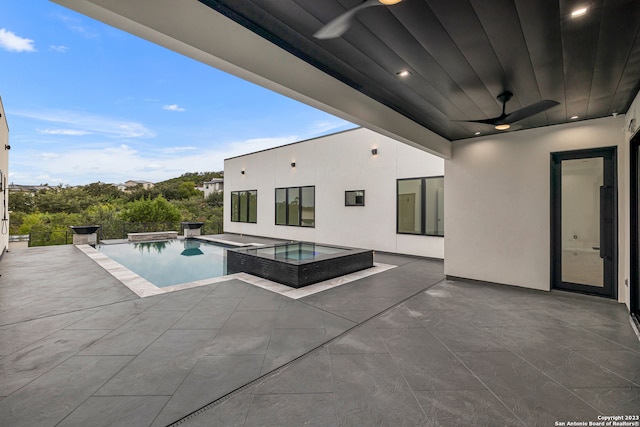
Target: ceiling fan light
[[389, 2], [503, 127], [579, 12]]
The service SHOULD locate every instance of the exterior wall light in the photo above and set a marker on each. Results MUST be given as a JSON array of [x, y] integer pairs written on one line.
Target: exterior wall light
[[293, 164], [374, 151], [242, 172]]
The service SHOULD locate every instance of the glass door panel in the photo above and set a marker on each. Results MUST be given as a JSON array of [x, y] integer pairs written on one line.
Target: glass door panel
[[581, 182], [583, 221]]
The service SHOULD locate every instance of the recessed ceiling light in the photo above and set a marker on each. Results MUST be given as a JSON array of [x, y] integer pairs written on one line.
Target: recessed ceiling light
[[477, 133], [502, 127], [389, 2], [579, 12], [404, 73], [574, 117]]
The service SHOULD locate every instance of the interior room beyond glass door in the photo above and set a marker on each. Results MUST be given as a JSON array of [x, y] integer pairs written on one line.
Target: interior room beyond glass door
[[584, 228], [581, 182]]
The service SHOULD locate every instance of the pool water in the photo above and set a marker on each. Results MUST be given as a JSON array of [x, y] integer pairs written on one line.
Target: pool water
[[296, 251], [170, 262]]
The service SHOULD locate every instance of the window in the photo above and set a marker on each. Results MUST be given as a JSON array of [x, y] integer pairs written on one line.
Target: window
[[296, 206], [281, 206], [354, 198], [420, 206], [244, 206]]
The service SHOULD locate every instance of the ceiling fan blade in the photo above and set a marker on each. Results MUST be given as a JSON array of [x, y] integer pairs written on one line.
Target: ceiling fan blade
[[339, 25], [528, 111], [493, 121]]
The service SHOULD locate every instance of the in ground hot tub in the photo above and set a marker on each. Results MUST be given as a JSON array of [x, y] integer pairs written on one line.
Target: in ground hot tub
[[298, 264]]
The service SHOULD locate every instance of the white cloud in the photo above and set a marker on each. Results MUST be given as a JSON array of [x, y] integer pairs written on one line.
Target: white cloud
[[173, 107], [75, 24], [171, 150], [48, 179], [90, 123], [154, 166], [328, 126], [118, 163], [61, 49], [70, 132], [13, 43], [85, 32]]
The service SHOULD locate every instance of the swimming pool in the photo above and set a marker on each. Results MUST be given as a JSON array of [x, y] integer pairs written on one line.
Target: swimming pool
[[298, 264], [170, 262]]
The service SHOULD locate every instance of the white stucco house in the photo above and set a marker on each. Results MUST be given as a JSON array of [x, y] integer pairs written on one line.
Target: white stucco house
[[354, 188], [215, 185], [128, 185]]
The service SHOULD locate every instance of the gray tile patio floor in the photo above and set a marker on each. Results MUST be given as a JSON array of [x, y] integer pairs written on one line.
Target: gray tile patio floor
[[403, 347]]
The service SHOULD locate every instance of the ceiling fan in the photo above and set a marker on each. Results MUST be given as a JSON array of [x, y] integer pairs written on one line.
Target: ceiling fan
[[338, 26], [504, 120]]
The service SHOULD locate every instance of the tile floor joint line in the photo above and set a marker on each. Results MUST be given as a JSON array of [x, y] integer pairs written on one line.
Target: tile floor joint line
[[480, 379], [67, 312], [634, 326], [278, 370]]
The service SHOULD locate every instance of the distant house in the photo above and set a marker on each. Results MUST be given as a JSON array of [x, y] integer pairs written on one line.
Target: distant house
[[129, 185], [27, 188], [215, 185]]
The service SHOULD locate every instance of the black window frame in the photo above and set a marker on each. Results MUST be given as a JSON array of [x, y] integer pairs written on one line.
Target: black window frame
[[423, 210], [237, 218], [346, 199], [300, 205]]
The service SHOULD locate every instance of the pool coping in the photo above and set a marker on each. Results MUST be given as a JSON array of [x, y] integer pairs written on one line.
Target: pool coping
[[143, 288]]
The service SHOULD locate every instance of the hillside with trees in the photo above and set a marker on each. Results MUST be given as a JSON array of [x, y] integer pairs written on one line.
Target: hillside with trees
[[47, 214]]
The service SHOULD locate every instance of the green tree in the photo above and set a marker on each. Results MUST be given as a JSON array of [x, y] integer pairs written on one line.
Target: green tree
[[108, 216], [151, 210], [49, 229], [22, 201], [138, 192], [215, 199], [178, 190], [103, 191]]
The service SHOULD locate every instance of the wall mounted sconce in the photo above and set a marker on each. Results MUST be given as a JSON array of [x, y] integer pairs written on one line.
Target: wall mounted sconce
[[293, 164], [242, 172], [374, 151], [7, 147]]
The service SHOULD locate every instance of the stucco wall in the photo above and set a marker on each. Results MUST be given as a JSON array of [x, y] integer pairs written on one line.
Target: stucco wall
[[631, 128], [497, 203], [335, 164], [4, 167]]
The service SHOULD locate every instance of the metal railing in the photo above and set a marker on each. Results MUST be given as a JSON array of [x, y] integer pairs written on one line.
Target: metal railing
[[50, 238], [118, 230]]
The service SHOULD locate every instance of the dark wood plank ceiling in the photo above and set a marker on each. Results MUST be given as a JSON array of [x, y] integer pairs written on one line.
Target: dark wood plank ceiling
[[463, 53]]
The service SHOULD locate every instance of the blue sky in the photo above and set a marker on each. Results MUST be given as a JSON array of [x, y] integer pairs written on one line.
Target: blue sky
[[86, 102]]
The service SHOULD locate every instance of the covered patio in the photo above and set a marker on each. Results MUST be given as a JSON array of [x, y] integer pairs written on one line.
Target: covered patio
[[402, 347]]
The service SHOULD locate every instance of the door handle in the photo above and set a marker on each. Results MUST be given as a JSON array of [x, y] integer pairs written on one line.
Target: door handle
[[606, 222]]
